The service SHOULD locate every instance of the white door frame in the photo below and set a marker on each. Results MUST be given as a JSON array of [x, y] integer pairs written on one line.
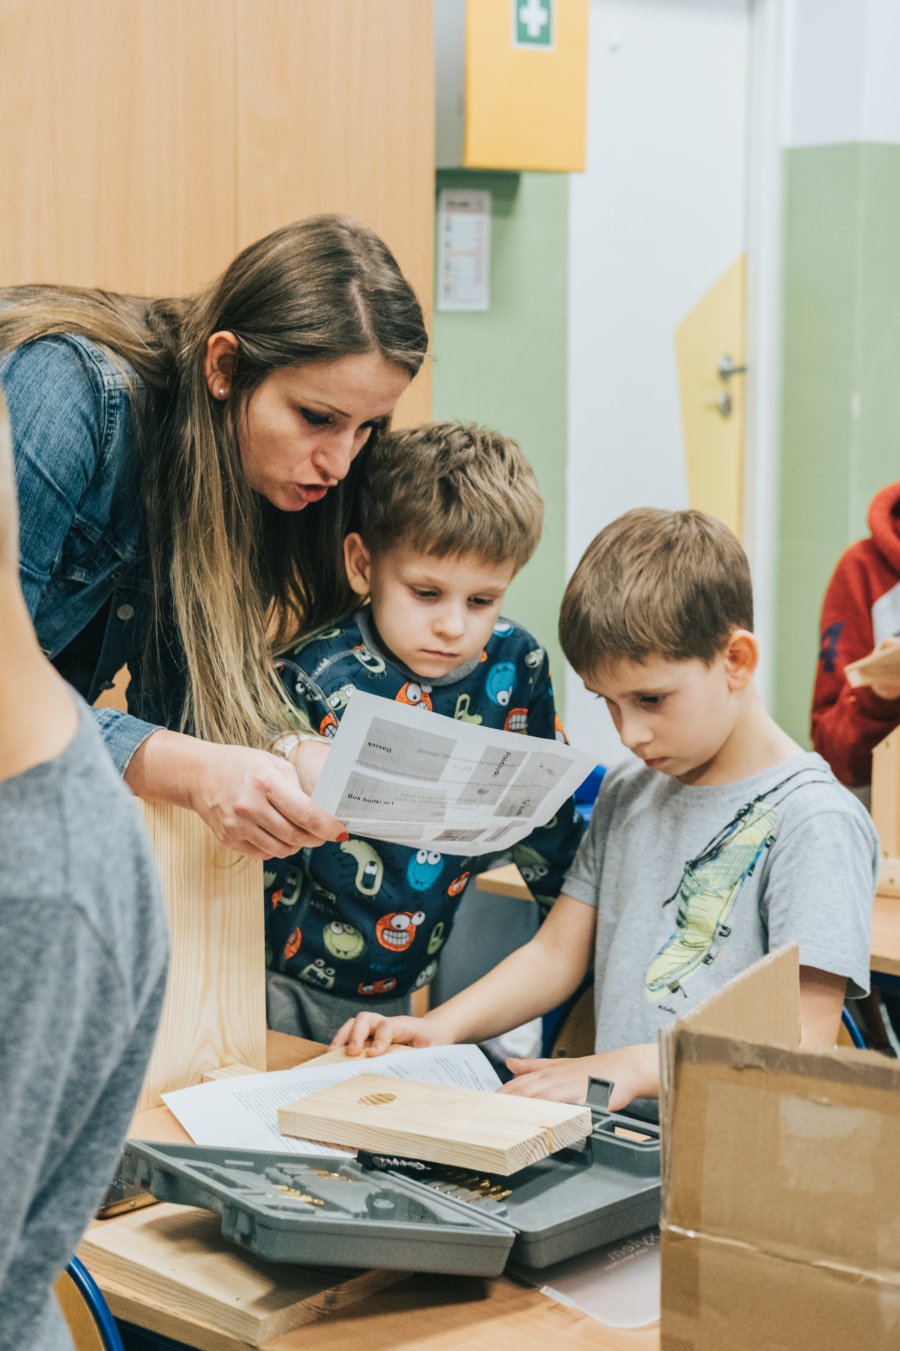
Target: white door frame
[[770, 65]]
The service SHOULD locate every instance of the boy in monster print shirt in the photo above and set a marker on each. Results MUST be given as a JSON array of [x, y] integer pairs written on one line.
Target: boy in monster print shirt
[[447, 515]]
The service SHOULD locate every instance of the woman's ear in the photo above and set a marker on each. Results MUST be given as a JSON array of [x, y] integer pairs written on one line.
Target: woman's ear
[[218, 363], [741, 658], [358, 563]]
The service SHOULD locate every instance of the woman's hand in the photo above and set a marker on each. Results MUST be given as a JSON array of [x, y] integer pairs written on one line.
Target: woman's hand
[[385, 1032], [634, 1070], [251, 800]]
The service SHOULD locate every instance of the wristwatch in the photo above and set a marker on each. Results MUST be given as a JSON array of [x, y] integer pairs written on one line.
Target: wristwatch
[[288, 742]]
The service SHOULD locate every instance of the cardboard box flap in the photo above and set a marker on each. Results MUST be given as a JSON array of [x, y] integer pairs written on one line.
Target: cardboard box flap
[[761, 1005], [781, 1179]]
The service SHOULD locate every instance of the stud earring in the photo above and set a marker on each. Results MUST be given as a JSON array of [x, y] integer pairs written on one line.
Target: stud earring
[[221, 391]]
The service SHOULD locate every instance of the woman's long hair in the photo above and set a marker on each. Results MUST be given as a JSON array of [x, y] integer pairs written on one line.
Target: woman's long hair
[[239, 577]]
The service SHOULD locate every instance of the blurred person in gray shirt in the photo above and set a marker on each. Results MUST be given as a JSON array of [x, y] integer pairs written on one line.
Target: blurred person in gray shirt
[[82, 962]]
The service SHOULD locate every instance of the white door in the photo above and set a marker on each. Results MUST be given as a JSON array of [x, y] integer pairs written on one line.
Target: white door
[[656, 259]]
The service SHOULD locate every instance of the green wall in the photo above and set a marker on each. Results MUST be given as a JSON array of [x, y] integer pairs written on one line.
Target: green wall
[[506, 367], [840, 421]]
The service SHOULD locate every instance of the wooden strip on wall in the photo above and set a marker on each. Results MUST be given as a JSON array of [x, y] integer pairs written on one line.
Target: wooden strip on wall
[[360, 141], [117, 162]]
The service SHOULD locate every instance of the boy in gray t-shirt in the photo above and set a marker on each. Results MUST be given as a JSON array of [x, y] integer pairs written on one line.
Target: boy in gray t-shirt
[[722, 841], [82, 963]]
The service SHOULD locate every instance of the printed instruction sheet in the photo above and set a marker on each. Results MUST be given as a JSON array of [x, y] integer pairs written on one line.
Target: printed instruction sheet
[[242, 1113], [399, 773]]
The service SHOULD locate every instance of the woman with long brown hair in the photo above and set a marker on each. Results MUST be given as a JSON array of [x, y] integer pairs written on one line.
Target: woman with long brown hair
[[185, 473]]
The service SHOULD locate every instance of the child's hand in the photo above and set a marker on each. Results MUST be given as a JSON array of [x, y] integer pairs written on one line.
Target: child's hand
[[385, 1032], [634, 1070]]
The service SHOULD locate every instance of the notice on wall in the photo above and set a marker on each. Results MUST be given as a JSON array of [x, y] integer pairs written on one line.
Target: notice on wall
[[401, 773], [464, 250]]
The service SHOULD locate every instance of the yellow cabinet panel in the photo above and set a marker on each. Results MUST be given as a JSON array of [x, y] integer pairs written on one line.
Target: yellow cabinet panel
[[525, 84]]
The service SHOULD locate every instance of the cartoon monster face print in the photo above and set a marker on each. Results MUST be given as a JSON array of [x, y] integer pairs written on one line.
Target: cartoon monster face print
[[462, 712], [293, 883], [369, 867], [458, 885], [425, 975], [503, 628], [370, 660], [397, 930], [532, 865], [292, 946], [328, 726], [343, 940], [534, 657], [516, 720], [423, 869], [386, 986], [500, 683], [317, 973], [438, 934], [340, 698], [417, 695]]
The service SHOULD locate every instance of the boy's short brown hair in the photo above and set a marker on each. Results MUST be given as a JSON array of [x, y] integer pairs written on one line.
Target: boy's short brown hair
[[672, 584], [449, 488]]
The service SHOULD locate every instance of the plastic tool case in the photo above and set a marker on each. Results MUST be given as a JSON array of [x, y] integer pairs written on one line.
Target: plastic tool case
[[407, 1215]]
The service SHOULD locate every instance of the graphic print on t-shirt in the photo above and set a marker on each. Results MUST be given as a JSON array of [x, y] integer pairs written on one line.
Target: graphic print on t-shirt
[[706, 895]]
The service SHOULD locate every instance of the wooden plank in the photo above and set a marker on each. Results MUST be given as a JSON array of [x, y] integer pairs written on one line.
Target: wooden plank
[[215, 1007], [505, 881], [434, 1313], [177, 1253], [885, 957], [886, 793], [457, 1126], [228, 1072], [875, 668]]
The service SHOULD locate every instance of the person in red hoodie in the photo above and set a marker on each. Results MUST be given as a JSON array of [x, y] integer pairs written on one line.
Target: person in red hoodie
[[860, 613]]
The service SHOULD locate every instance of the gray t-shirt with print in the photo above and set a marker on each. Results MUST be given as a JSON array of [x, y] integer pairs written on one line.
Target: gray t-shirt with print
[[694, 884], [82, 971]]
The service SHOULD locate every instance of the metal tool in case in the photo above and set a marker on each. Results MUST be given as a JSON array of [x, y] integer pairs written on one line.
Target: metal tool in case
[[409, 1215]]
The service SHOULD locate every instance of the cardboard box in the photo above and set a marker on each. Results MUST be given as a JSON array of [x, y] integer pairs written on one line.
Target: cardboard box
[[781, 1179]]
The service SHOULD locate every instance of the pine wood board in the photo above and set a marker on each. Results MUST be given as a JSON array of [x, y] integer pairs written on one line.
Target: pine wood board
[[886, 793], [459, 1126], [434, 1313], [875, 668], [177, 1253], [228, 1072], [885, 955], [215, 1007], [504, 881]]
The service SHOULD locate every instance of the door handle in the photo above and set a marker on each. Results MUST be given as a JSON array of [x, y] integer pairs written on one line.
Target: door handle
[[727, 367]]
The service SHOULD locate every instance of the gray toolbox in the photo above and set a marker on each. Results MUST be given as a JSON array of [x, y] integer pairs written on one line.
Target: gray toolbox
[[408, 1215]]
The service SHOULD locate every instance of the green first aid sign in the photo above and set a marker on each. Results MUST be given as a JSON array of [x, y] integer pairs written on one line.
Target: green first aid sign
[[533, 23]]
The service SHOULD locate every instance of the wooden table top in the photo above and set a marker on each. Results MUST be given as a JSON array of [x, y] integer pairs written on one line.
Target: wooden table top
[[885, 954], [421, 1313]]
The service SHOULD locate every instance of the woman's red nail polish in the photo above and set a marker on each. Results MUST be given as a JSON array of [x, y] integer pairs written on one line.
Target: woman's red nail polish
[[343, 837]]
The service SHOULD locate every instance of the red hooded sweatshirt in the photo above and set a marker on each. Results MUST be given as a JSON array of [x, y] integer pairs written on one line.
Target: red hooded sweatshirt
[[861, 606]]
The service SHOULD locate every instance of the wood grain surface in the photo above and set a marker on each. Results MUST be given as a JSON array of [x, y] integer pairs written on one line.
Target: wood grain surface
[[215, 1007]]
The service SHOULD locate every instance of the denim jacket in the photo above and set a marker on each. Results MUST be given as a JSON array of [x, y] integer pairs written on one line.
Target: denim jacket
[[83, 557]]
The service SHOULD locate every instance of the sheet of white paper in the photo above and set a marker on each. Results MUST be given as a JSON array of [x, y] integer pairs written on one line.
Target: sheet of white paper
[[242, 1113], [617, 1284], [397, 772]]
